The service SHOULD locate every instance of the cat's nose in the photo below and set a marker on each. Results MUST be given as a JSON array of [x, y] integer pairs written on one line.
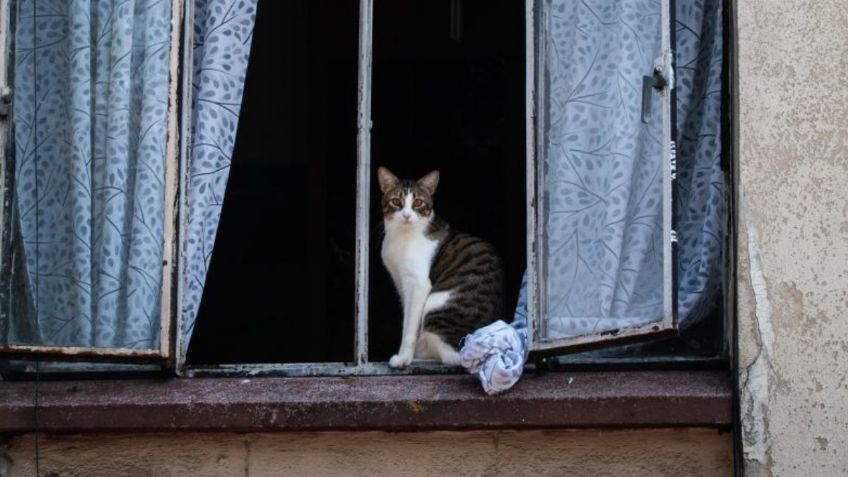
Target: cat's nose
[[406, 215]]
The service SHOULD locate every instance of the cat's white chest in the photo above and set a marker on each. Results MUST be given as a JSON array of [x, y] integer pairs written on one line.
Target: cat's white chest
[[408, 255]]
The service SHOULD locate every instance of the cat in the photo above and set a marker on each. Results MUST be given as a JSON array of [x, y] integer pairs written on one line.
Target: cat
[[450, 283]]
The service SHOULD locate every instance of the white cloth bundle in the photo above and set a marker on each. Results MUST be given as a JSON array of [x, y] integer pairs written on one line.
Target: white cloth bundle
[[496, 354]]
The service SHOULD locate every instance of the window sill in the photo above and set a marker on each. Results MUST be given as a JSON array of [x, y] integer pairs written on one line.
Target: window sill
[[453, 402]]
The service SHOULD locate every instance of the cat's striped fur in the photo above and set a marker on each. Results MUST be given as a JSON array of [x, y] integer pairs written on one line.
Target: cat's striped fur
[[450, 283]]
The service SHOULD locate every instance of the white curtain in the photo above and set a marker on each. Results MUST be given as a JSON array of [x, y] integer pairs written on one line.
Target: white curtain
[[604, 167], [604, 229], [90, 117], [91, 93], [223, 31]]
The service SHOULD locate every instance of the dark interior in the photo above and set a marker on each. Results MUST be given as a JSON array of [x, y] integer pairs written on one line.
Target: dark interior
[[280, 282], [448, 94]]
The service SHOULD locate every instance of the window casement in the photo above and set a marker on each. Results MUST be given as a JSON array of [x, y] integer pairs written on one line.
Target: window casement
[[613, 312], [555, 325], [90, 92]]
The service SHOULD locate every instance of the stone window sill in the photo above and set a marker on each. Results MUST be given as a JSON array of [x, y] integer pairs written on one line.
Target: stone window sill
[[699, 398]]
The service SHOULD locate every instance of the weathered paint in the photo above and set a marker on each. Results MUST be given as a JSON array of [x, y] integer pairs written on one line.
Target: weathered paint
[[172, 167], [179, 350], [754, 378], [6, 170], [418, 366], [363, 181], [792, 280], [537, 17], [533, 141], [82, 353], [548, 400], [169, 220], [682, 452]]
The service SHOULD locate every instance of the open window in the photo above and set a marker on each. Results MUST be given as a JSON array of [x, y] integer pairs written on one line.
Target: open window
[[583, 178], [553, 122], [601, 166], [285, 244], [89, 178], [436, 67]]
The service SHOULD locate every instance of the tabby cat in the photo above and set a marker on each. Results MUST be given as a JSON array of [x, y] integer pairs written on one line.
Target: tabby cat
[[450, 283]]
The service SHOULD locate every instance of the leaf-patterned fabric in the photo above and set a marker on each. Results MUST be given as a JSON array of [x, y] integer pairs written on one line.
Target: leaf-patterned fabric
[[223, 30], [604, 167], [700, 189], [90, 115], [91, 79], [605, 225], [700, 179]]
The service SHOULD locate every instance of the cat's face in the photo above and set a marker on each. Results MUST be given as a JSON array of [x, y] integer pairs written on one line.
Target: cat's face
[[407, 203]]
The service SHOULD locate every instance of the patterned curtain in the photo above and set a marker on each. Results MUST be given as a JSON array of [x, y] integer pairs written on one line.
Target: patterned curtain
[[90, 110], [700, 179], [91, 91], [604, 167], [223, 30], [604, 225]]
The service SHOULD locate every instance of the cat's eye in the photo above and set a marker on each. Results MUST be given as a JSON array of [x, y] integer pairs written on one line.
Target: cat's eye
[[396, 203], [418, 203]]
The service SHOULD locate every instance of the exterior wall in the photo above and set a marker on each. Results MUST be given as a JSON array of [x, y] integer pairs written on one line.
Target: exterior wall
[[689, 452], [793, 237], [792, 284]]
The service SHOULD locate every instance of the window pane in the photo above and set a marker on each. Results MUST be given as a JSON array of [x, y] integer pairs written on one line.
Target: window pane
[[602, 182], [449, 95], [83, 252], [285, 246]]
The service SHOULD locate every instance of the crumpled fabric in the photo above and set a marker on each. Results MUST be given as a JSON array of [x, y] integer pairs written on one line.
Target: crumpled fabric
[[496, 353]]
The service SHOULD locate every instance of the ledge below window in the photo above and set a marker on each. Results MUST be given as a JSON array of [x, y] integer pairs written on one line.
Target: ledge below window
[[395, 403]]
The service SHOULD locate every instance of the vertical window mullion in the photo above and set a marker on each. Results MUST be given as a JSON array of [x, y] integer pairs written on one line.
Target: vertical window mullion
[[172, 167], [5, 91], [85, 351], [531, 77], [363, 180], [670, 162], [179, 348], [6, 267]]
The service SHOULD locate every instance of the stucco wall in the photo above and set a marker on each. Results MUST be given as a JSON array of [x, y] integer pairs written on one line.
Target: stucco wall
[[793, 240], [793, 293], [689, 452]]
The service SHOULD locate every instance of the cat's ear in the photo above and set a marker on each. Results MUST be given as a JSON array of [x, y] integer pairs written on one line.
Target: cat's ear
[[387, 180], [429, 182]]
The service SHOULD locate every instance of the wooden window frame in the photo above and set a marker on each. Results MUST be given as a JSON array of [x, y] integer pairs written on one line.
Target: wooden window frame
[[166, 349], [574, 398], [171, 352], [534, 109], [536, 112]]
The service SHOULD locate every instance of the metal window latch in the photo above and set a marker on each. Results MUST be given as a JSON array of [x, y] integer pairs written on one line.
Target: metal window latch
[[662, 78], [656, 82], [5, 103]]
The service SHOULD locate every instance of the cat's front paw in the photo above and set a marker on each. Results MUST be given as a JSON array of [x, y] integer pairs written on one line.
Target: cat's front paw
[[400, 360]]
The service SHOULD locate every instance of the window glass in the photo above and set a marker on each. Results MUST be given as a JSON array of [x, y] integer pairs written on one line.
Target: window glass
[[83, 250], [604, 184]]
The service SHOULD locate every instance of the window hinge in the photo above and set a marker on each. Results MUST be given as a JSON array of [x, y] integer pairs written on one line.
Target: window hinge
[[673, 236], [5, 102]]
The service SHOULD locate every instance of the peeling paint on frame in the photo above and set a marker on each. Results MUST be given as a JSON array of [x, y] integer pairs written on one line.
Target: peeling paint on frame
[[77, 353], [536, 22]]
